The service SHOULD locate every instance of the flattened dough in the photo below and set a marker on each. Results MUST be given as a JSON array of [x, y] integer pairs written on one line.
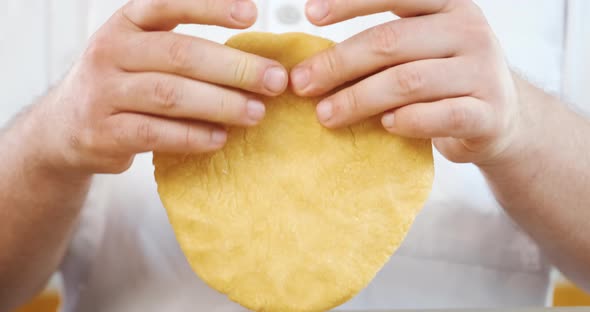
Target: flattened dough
[[290, 216]]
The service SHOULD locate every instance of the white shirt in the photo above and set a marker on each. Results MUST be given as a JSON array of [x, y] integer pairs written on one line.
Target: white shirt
[[463, 251]]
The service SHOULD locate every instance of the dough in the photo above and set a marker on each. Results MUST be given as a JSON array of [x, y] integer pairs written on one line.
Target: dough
[[291, 216]]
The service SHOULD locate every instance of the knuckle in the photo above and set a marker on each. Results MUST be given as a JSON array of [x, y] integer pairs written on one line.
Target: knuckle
[[332, 62], [166, 94], [472, 8], [207, 137], [146, 134], [458, 117], [480, 35], [409, 81], [98, 49], [198, 138], [474, 27], [242, 71], [120, 135], [201, 139], [179, 54], [413, 123], [352, 100], [188, 137], [223, 106], [384, 39], [158, 5], [487, 39]]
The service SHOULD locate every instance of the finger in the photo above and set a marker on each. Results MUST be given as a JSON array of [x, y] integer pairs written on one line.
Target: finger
[[456, 151], [136, 133], [462, 118], [167, 14], [386, 45], [422, 81], [325, 12], [182, 98], [204, 60]]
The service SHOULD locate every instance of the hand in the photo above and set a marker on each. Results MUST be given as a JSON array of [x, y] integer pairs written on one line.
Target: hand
[[141, 88], [438, 72]]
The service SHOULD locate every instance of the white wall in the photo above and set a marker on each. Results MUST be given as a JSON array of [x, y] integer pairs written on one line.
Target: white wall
[[576, 83], [23, 53]]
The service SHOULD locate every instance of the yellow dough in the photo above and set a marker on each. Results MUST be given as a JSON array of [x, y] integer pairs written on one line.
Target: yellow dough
[[291, 216]]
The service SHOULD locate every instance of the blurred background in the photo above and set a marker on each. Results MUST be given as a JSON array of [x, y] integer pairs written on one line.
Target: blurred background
[[40, 39]]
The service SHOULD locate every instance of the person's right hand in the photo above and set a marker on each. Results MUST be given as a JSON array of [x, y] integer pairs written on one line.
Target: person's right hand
[[139, 87]]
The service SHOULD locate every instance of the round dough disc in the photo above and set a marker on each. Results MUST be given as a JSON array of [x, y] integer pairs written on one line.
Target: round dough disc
[[291, 216]]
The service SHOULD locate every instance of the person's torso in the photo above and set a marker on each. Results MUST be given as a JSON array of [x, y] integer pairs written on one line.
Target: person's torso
[[462, 251]]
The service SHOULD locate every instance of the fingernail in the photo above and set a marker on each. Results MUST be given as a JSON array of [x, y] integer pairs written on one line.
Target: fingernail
[[388, 120], [317, 10], [218, 137], [256, 110], [325, 111], [275, 79], [244, 11], [300, 78]]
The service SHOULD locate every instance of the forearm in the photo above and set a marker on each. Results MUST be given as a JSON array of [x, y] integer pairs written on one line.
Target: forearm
[[39, 205], [544, 183]]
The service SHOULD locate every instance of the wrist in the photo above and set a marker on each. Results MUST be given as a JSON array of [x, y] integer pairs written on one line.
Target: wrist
[[37, 134]]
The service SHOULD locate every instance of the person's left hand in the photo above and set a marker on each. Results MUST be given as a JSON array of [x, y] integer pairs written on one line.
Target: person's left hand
[[438, 72]]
